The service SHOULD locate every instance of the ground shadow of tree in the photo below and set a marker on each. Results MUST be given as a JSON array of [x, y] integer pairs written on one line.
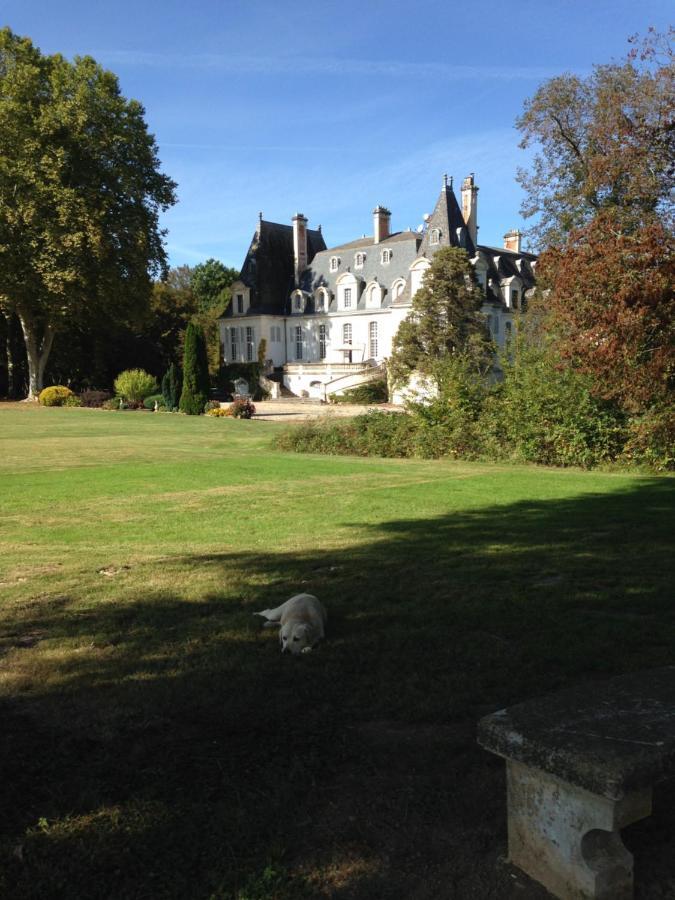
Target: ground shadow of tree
[[176, 753]]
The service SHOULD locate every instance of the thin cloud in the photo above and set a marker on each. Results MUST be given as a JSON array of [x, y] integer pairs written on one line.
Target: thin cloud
[[268, 65]]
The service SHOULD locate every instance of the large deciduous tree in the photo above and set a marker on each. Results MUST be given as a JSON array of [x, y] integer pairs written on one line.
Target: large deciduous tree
[[611, 308], [80, 195], [445, 319], [605, 141]]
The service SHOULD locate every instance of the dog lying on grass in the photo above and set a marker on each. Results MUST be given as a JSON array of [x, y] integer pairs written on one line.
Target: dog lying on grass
[[301, 622]]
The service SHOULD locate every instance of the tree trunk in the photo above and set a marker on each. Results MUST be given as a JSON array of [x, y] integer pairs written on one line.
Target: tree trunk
[[37, 352]]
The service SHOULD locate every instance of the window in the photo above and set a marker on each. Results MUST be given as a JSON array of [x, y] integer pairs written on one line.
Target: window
[[322, 341], [234, 349], [435, 236], [386, 257], [319, 300], [372, 335], [488, 322], [240, 304], [334, 263], [359, 259], [298, 342], [496, 330], [249, 344], [398, 289], [298, 303], [507, 328], [347, 333], [514, 299], [348, 298]]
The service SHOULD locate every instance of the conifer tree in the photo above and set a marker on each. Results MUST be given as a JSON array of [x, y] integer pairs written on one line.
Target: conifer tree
[[445, 319], [171, 386], [195, 372]]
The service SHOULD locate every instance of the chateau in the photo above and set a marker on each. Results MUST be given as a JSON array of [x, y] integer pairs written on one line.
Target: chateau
[[328, 315]]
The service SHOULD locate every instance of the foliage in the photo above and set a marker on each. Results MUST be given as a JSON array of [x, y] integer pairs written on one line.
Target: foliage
[[211, 282], [250, 372], [218, 412], [374, 433], [172, 385], [172, 305], [94, 399], [149, 402], [242, 408], [262, 352], [611, 309], [195, 391], [449, 421], [444, 319], [605, 141], [211, 404], [546, 412], [651, 440], [370, 392], [56, 395], [112, 403], [135, 385], [72, 401], [81, 196]]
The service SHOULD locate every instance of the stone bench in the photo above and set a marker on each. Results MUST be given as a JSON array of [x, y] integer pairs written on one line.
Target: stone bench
[[580, 765]]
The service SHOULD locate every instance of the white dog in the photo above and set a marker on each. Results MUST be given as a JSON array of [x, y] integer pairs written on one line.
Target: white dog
[[301, 622]]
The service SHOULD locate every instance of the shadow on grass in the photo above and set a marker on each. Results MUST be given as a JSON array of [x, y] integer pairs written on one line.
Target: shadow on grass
[[173, 752]]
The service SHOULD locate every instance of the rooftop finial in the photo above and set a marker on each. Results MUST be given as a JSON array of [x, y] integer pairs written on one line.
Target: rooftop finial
[[445, 181], [260, 216], [451, 181]]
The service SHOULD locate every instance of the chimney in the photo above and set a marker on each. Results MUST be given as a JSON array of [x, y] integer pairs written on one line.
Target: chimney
[[470, 206], [512, 240], [381, 217], [299, 245]]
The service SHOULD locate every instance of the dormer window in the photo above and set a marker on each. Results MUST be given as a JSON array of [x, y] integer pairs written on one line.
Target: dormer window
[[515, 296], [386, 257], [240, 304], [359, 260], [334, 263], [435, 236], [297, 303]]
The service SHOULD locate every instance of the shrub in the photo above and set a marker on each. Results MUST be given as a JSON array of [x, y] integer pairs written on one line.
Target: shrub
[[242, 408], [135, 385], [375, 433], [149, 402], [55, 395], [218, 412], [371, 392], [172, 385], [651, 440], [195, 391], [94, 399], [112, 403], [211, 404], [73, 400]]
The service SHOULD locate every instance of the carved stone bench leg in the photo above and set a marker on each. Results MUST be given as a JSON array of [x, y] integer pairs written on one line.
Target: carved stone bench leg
[[568, 838]]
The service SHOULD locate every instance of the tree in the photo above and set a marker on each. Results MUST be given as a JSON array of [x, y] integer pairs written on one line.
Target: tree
[[604, 142], [610, 307], [211, 281], [444, 320], [195, 372], [172, 384], [80, 196]]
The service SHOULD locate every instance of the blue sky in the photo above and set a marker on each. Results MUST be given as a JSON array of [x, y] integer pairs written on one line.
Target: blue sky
[[332, 108]]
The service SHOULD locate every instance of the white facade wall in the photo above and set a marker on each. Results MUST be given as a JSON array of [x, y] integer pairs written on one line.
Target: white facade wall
[[271, 328]]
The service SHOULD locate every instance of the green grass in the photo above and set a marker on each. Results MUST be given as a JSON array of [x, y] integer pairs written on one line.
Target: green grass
[[155, 743]]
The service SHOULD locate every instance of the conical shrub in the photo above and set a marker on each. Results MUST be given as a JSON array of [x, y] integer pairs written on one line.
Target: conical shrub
[[195, 391]]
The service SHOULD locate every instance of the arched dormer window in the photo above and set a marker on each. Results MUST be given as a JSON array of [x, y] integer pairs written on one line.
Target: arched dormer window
[[334, 263], [386, 257], [397, 288], [359, 260], [322, 300], [434, 236]]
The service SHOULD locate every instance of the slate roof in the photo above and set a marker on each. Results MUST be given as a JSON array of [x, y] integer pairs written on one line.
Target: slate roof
[[269, 267], [447, 218], [404, 246]]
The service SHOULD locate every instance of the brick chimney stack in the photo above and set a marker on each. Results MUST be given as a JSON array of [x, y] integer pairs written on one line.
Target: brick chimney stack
[[470, 206], [381, 217], [512, 240], [299, 245]]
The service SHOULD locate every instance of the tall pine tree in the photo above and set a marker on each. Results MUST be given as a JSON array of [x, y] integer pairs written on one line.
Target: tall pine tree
[[195, 372]]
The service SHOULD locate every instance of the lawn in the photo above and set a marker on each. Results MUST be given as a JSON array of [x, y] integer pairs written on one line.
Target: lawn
[[155, 743]]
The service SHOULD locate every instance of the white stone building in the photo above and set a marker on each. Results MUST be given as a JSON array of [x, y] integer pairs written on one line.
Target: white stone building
[[328, 316]]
